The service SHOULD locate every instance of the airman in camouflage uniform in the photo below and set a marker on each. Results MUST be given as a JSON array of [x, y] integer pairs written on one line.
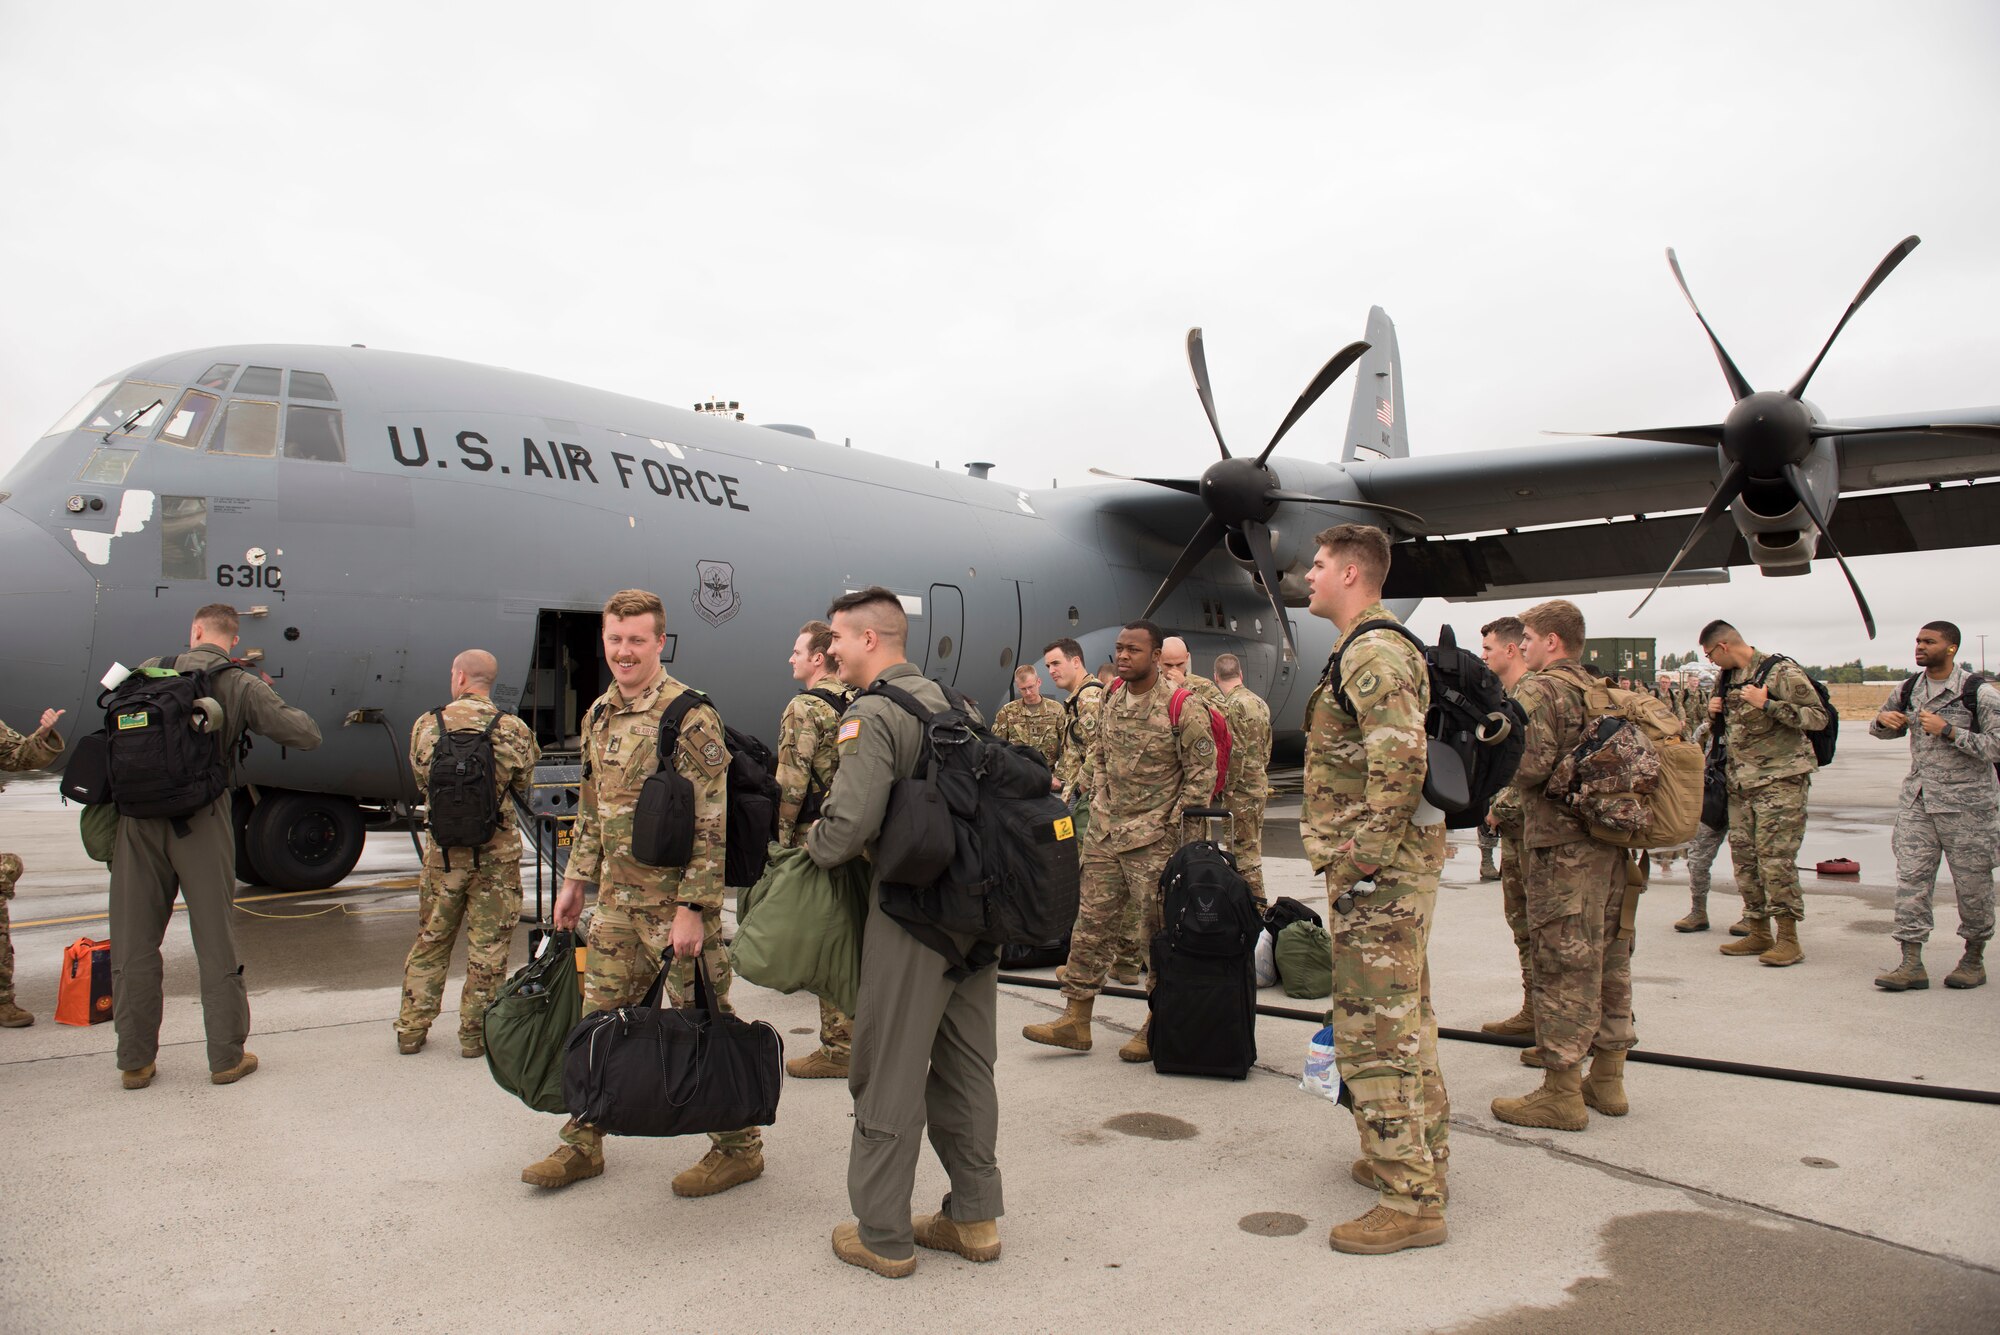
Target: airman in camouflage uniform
[[479, 887], [1575, 892], [1367, 830], [807, 759], [1771, 764], [1174, 666], [1064, 660], [1031, 720], [1249, 786], [644, 913], [37, 750], [1949, 807], [1143, 771], [1500, 649]]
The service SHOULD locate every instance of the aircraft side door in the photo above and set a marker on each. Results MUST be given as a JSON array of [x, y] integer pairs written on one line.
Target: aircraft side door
[[945, 644]]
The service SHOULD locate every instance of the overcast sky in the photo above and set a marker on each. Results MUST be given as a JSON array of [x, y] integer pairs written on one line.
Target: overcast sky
[[979, 232]]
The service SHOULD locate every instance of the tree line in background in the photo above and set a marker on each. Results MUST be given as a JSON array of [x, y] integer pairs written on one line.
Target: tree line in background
[[1854, 673]]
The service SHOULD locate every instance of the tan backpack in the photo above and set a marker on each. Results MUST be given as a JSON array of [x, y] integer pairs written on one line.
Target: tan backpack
[[1635, 779]]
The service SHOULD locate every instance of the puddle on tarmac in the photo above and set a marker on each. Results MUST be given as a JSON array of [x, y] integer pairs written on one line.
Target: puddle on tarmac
[[1151, 1126], [803, 1029], [1272, 1224], [1872, 926]]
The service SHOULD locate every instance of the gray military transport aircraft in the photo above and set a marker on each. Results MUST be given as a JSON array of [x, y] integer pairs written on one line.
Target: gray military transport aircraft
[[375, 512]]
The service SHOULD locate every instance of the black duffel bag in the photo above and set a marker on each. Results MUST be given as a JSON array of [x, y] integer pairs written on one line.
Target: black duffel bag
[[1715, 790], [653, 1070]]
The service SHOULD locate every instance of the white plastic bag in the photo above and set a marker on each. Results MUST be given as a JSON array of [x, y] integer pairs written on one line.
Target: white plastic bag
[[1322, 1076], [1267, 960]]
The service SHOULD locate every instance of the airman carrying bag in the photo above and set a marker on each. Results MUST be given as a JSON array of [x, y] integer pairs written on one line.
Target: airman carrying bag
[[663, 819], [1634, 779]]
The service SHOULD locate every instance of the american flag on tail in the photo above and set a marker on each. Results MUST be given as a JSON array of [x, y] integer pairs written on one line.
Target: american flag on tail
[[1385, 412]]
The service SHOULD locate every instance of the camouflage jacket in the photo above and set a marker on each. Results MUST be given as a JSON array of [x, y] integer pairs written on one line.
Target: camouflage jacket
[[1955, 775], [249, 704], [1080, 712], [1204, 688], [1557, 721], [620, 742], [1770, 743], [33, 751], [1142, 772], [1039, 725], [806, 754], [1249, 746], [1364, 772], [514, 751]]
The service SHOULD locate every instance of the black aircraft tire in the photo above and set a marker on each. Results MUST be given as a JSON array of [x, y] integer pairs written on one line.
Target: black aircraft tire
[[247, 870], [304, 841]]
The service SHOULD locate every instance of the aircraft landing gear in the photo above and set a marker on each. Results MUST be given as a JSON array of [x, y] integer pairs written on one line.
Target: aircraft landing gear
[[302, 841]]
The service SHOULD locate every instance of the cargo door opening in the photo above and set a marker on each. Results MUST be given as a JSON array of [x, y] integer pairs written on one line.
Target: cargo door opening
[[567, 672]]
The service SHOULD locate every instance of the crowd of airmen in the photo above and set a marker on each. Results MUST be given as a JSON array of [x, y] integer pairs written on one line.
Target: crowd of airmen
[[1130, 749]]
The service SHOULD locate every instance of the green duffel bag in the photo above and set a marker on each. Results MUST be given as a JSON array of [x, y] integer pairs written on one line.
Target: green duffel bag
[[99, 827], [799, 928], [1305, 959], [528, 1022]]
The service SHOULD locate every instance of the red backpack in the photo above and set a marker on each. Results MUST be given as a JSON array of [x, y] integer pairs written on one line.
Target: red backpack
[[1218, 728]]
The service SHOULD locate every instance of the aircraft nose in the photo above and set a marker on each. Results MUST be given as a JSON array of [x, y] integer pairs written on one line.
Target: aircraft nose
[[48, 604]]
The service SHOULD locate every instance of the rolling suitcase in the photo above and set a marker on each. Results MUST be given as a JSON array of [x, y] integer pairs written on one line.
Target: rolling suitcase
[[1204, 1000]]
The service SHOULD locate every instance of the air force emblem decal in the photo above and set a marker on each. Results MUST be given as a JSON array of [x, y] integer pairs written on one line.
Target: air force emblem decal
[[715, 595]]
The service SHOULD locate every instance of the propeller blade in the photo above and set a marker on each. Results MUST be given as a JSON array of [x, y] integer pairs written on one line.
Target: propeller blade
[[1726, 491], [1192, 486], [1307, 498], [1329, 373], [1200, 545], [1667, 435], [1737, 384], [1797, 477], [1198, 363], [1972, 430], [1258, 538], [1882, 271]]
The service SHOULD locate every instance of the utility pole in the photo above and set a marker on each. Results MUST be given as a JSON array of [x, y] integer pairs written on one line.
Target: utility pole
[[1982, 653]]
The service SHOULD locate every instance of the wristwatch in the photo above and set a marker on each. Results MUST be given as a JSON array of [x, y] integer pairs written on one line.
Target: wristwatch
[[1950, 731], [690, 904]]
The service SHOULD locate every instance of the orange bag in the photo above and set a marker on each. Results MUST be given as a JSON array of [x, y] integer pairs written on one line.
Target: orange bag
[[84, 994]]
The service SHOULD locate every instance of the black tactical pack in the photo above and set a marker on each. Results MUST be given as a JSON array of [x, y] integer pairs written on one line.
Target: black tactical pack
[[1823, 738], [1204, 998], [162, 759], [464, 793], [975, 843], [753, 791]]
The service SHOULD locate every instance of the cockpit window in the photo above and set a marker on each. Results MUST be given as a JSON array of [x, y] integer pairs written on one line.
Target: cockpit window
[[248, 428], [73, 419], [217, 376], [190, 419], [311, 385], [314, 433], [134, 407], [260, 380], [107, 467]]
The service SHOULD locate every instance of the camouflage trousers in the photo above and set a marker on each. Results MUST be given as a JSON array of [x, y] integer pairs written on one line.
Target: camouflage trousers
[[627, 943], [1514, 907], [1385, 1037], [485, 898], [1133, 942], [836, 1031], [10, 875], [1766, 827], [1583, 970], [1246, 841], [1115, 888], [1922, 840], [1701, 854]]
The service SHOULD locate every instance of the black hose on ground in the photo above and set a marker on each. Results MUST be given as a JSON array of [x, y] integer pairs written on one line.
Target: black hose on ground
[[1872, 1086]]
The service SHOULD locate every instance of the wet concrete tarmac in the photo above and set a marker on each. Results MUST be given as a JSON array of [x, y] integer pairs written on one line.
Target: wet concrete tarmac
[[344, 1187]]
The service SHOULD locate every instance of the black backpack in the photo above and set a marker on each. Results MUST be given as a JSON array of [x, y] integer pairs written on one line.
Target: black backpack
[[976, 843], [464, 794], [753, 791], [1968, 698], [1204, 998], [1285, 911], [1823, 738], [1476, 730], [162, 759]]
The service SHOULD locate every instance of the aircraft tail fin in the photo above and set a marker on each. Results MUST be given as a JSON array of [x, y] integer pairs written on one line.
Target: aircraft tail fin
[[1376, 427]]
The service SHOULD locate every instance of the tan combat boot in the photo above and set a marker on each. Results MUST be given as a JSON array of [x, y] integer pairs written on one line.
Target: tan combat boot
[[244, 1066], [1487, 871], [411, 1044], [13, 1017], [975, 1240], [1532, 1056], [1604, 1087], [1744, 926], [1125, 977], [1971, 970], [1755, 942], [1364, 1174], [1785, 950], [849, 1247], [819, 1064], [1137, 1048], [1558, 1105], [1909, 976], [1521, 1024], [1383, 1230], [1072, 1031], [472, 1045], [140, 1078], [1697, 916], [719, 1170], [565, 1164]]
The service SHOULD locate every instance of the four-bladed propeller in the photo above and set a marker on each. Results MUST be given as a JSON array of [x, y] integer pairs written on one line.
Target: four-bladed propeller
[[1243, 493], [1767, 437]]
